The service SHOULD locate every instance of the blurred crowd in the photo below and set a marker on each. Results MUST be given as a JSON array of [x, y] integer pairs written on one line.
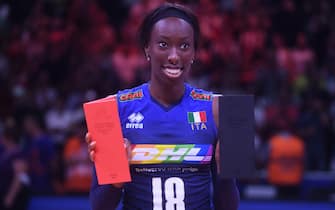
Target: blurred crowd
[[57, 54]]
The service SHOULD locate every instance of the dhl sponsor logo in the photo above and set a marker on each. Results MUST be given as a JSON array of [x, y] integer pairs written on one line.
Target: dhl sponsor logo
[[131, 96], [200, 96], [181, 153]]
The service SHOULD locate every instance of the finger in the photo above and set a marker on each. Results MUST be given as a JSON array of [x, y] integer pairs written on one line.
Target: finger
[[92, 145], [91, 150], [127, 144], [92, 156], [88, 137]]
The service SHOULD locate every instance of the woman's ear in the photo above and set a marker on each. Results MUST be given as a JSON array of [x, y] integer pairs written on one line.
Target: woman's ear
[[147, 55]]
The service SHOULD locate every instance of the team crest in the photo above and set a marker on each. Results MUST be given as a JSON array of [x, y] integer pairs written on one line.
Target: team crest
[[197, 120]]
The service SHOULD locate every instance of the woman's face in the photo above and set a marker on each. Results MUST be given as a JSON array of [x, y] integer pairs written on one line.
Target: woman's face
[[171, 49]]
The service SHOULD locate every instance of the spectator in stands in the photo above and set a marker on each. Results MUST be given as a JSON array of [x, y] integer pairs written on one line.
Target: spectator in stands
[[14, 182], [302, 56], [58, 120], [285, 165], [313, 127], [41, 155], [78, 167]]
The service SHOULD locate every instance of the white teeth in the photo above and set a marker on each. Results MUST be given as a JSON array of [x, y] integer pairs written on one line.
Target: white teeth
[[173, 72]]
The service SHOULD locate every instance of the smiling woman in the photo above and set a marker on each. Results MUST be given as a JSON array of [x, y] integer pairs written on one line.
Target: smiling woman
[[171, 47], [171, 125], [169, 37]]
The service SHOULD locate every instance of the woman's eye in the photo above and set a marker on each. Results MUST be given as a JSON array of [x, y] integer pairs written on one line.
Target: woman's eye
[[184, 46], [162, 44]]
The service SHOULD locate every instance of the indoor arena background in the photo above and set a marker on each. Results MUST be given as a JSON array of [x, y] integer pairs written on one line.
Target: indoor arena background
[[57, 54]]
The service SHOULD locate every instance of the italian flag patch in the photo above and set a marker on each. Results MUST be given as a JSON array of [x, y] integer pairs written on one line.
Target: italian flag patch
[[196, 117]]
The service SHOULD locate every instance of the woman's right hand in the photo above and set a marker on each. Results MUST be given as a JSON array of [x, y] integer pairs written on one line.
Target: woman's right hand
[[90, 146]]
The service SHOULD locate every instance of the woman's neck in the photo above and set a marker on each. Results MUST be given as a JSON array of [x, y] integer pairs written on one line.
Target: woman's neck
[[167, 95]]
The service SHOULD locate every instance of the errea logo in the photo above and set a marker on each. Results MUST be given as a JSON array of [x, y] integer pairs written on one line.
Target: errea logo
[[135, 120]]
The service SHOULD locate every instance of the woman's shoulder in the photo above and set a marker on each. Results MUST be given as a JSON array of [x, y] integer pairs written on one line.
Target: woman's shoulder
[[199, 93]]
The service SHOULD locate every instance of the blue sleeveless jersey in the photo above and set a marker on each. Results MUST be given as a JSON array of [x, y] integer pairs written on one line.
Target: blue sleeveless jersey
[[172, 150]]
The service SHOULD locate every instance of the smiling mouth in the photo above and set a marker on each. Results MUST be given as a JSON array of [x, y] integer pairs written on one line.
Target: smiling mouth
[[173, 72]]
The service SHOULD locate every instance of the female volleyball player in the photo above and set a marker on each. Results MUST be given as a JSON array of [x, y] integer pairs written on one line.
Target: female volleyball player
[[172, 127]]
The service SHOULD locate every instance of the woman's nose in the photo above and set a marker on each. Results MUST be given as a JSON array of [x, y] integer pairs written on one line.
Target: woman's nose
[[173, 57]]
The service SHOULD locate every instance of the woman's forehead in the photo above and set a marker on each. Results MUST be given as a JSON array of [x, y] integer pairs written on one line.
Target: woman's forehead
[[172, 26]]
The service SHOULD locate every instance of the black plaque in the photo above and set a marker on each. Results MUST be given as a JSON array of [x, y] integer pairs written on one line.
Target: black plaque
[[237, 133]]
